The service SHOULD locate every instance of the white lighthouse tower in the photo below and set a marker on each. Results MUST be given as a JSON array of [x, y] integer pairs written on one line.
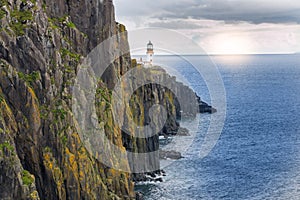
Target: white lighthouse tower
[[150, 53]]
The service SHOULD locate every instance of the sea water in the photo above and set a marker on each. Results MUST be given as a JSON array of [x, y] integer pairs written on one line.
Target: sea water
[[258, 153]]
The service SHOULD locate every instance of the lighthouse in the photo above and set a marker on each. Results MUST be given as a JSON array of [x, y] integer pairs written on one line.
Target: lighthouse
[[150, 53]]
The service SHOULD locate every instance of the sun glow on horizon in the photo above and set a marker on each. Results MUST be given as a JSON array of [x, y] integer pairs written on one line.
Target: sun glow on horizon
[[228, 44]]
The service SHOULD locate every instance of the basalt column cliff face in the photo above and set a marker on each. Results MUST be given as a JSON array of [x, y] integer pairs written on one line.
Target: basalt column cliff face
[[41, 154]]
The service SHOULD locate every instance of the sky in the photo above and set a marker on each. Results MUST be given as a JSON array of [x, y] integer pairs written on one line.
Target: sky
[[220, 26]]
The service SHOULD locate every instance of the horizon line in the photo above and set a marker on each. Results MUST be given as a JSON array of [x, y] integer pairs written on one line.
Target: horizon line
[[215, 54]]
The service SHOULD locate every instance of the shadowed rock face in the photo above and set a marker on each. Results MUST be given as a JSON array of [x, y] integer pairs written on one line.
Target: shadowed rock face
[[41, 153]]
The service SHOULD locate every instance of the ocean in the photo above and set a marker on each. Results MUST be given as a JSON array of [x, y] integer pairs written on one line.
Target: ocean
[[257, 155]]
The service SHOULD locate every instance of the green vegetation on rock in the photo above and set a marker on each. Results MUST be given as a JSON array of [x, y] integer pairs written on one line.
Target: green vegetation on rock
[[44, 6], [2, 13], [6, 145], [3, 3], [1, 98], [71, 25], [64, 139], [29, 78], [59, 113], [65, 52], [19, 21], [103, 93], [60, 21], [27, 178]]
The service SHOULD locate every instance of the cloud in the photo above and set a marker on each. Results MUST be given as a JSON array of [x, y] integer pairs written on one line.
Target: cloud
[[177, 24], [253, 11], [271, 25]]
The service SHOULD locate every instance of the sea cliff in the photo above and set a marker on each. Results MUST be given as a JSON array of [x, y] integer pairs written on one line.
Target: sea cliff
[[41, 153]]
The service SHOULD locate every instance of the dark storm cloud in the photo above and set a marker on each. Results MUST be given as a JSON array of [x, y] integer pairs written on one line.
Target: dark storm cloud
[[236, 15]]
